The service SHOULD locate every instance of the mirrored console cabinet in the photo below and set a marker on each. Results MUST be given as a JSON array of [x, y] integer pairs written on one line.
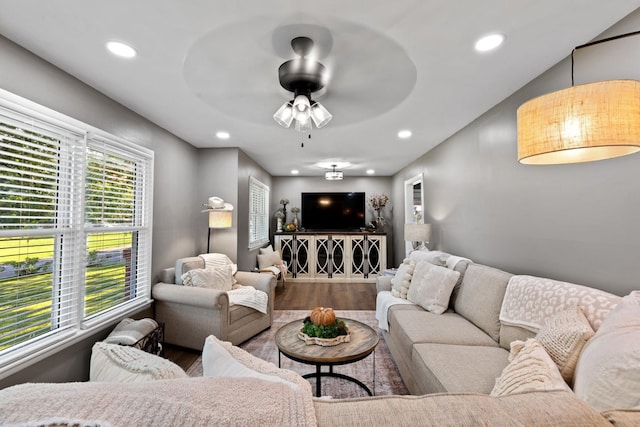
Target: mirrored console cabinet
[[340, 257]]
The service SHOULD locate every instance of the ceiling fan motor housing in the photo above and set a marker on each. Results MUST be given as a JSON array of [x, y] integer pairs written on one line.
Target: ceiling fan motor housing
[[302, 75]]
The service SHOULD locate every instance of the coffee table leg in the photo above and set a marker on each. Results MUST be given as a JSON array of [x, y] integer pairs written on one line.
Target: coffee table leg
[[318, 381]]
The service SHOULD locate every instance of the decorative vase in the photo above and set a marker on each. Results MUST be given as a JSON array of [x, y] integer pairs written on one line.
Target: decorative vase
[[279, 221], [295, 219]]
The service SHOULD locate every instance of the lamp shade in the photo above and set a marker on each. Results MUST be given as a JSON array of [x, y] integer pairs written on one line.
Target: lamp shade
[[417, 232], [583, 123], [320, 115], [220, 219], [301, 108], [284, 115]]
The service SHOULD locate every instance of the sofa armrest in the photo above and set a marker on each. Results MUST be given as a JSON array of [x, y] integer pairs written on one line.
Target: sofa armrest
[[265, 282], [190, 295], [168, 275], [383, 283]]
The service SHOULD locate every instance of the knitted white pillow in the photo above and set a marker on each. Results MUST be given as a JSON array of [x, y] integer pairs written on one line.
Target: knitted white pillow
[[431, 286], [563, 336], [530, 369], [220, 278], [401, 281], [122, 364]]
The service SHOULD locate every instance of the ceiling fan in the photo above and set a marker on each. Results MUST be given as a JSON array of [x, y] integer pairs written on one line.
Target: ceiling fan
[[302, 76]]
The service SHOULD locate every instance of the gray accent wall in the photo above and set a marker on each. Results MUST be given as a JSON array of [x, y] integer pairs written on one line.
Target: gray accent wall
[[175, 180], [576, 223]]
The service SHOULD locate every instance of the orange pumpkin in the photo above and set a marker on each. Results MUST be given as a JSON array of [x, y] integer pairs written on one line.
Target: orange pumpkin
[[323, 316]]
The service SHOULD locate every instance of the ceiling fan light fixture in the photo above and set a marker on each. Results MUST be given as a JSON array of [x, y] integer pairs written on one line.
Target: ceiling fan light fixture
[[284, 115], [320, 115], [301, 108], [303, 125]]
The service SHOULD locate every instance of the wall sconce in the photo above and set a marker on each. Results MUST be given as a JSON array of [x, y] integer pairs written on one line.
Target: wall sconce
[[220, 215], [420, 233], [582, 123]]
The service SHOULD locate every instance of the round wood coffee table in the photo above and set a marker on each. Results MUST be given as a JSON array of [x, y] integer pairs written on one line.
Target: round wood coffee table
[[364, 340]]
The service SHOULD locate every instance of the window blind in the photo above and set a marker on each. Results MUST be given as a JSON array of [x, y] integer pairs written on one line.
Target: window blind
[[75, 227], [258, 213]]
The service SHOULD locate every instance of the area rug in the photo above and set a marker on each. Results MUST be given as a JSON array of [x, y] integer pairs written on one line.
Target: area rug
[[387, 377]]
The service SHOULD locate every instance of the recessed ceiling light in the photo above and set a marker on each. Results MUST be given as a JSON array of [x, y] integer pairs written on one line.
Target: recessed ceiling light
[[120, 49], [404, 134], [489, 42], [295, 171], [223, 135], [370, 171]]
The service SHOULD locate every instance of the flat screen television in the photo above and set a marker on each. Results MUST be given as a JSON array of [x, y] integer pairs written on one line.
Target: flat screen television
[[333, 211]]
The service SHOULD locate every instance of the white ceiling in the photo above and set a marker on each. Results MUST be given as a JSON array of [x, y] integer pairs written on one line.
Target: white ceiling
[[210, 65]]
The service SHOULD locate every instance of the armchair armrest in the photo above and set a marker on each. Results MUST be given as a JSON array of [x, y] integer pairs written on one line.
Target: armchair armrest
[[261, 281], [189, 295]]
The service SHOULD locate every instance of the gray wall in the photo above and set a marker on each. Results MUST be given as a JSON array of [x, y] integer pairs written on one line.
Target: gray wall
[[576, 223], [247, 167], [292, 187], [174, 235]]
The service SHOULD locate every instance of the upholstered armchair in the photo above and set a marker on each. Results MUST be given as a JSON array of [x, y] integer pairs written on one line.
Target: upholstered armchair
[[192, 313]]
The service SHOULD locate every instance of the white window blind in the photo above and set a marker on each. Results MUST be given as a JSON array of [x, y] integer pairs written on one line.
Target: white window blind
[[258, 213], [62, 226]]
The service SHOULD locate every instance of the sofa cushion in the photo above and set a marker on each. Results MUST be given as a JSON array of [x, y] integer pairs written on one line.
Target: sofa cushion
[[447, 368], [480, 297], [401, 281], [268, 259], [563, 336], [557, 408], [530, 368], [122, 364], [607, 375], [431, 286]]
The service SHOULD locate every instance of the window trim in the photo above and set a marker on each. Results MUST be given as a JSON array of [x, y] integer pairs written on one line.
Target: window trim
[[256, 185], [27, 353]]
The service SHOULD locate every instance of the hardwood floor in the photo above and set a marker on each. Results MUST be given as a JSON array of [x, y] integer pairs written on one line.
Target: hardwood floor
[[339, 296], [299, 296]]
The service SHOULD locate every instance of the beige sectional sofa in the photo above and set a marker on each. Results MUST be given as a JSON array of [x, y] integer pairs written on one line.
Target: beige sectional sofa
[[466, 348]]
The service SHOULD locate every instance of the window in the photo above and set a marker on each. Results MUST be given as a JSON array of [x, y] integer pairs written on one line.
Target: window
[[75, 228], [258, 213]]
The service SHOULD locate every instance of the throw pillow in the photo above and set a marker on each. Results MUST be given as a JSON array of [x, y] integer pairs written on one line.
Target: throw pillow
[[268, 260], [121, 364], [530, 369], [607, 375], [222, 359], [401, 281], [563, 336], [266, 250], [434, 257], [431, 286], [220, 278]]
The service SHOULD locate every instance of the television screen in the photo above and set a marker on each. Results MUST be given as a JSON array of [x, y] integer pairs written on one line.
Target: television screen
[[333, 211]]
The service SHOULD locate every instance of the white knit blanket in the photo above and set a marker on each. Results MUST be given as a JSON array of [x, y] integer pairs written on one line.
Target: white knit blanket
[[529, 300], [249, 297], [177, 402], [384, 300]]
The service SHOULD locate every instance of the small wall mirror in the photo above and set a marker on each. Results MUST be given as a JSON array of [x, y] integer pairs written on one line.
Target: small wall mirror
[[413, 204]]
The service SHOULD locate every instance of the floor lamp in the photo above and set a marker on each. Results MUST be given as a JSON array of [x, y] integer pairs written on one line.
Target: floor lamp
[[220, 216]]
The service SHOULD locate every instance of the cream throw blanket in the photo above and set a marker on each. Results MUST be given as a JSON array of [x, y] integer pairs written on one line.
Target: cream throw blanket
[[177, 402], [247, 296], [384, 300], [529, 300]]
